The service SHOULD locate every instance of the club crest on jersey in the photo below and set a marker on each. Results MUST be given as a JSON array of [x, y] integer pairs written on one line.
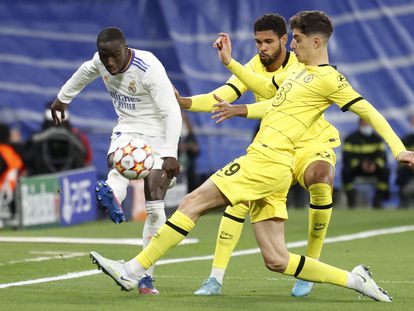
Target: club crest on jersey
[[308, 78], [132, 88]]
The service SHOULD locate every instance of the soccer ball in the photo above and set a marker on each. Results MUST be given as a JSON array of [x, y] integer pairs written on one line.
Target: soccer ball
[[133, 158]]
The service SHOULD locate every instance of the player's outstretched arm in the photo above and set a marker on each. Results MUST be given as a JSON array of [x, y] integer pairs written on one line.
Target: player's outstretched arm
[[255, 82], [366, 111]]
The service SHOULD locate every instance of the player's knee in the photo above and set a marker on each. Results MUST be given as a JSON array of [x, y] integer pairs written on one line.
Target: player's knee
[[319, 178], [319, 173], [188, 201], [277, 264]]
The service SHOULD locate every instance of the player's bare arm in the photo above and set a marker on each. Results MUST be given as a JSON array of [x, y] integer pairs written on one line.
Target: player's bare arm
[[56, 106], [223, 110]]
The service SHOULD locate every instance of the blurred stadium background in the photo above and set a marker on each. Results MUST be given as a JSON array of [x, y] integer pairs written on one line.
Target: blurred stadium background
[[43, 42]]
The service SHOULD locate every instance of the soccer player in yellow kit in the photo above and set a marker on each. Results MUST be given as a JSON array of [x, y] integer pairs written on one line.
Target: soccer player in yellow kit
[[314, 161], [303, 95]]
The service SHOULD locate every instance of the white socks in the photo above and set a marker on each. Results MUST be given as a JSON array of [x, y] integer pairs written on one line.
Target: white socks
[[155, 219], [134, 269], [118, 184], [218, 274]]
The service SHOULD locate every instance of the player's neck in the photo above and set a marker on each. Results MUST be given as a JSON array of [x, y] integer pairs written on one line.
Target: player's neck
[[319, 59], [279, 61]]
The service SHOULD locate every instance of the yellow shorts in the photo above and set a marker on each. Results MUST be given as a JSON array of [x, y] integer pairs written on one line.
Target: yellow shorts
[[273, 206], [252, 177], [305, 156]]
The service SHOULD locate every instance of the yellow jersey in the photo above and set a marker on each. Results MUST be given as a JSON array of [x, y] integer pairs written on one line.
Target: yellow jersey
[[321, 132], [234, 87], [305, 92]]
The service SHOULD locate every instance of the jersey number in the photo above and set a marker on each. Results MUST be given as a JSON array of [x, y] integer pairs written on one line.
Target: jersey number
[[232, 169]]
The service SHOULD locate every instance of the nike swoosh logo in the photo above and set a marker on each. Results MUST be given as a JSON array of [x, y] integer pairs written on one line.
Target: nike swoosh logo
[[225, 237], [123, 278], [318, 228], [364, 279]]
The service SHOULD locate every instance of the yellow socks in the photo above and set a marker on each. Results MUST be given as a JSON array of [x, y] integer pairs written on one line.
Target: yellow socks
[[230, 229], [319, 216], [309, 269], [169, 235]]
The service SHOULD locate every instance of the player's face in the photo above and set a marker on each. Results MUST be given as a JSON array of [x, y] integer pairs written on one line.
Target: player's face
[[302, 45], [268, 45], [114, 56]]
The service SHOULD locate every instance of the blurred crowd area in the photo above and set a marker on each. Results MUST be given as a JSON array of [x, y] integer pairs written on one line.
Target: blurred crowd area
[[367, 178]]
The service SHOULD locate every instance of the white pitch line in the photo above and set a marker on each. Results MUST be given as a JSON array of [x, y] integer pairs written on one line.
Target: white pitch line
[[136, 242], [341, 238]]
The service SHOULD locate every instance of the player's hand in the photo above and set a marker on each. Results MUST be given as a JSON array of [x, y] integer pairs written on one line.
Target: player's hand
[[58, 106], [171, 167], [223, 110], [223, 46], [406, 158], [184, 102]]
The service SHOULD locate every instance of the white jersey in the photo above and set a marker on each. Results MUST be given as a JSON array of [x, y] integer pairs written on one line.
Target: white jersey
[[142, 95]]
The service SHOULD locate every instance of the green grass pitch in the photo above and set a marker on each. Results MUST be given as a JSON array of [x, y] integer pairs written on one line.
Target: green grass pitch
[[248, 285]]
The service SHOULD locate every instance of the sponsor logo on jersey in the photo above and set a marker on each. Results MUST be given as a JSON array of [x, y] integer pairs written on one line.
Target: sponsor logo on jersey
[[124, 101], [341, 78]]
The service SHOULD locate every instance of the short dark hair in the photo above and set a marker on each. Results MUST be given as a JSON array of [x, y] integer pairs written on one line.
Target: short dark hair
[[271, 21], [111, 34], [311, 22]]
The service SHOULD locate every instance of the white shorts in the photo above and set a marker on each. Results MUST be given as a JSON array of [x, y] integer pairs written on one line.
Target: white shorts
[[155, 142]]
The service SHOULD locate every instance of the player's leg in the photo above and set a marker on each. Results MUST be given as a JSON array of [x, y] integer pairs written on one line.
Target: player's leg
[[155, 188], [230, 229], [271, 240], [315, 171], [112, 192], [230, 185]]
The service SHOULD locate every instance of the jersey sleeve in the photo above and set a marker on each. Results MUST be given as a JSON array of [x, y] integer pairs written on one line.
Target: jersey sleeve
[[86, 73], [205, 102], [342, 93], [231, 91], [160, 87], [257, 110], [255, 82]]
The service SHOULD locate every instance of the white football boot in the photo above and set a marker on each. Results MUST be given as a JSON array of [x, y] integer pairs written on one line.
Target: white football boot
[[116, 270], [366, 285]]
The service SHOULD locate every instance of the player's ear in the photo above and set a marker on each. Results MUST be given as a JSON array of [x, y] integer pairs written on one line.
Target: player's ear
[[284, 39], [317, 42]]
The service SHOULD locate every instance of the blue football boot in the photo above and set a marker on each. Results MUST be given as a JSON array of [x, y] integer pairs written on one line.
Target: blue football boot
[[107, 202], [301, 288], [210, 287], [146, 286]]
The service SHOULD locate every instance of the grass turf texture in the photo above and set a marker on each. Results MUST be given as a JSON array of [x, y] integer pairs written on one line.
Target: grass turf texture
[[248, 285]]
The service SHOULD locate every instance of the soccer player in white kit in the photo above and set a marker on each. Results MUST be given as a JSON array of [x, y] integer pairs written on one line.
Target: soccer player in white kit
[[144, 100]]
